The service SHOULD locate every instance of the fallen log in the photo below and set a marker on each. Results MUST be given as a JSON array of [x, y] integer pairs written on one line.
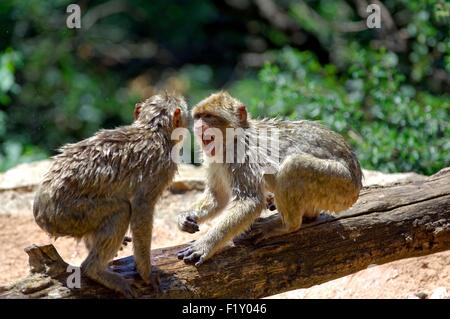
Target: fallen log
[[387, 223]]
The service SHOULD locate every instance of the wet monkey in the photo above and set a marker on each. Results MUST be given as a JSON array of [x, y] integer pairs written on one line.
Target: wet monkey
[[100, 186]]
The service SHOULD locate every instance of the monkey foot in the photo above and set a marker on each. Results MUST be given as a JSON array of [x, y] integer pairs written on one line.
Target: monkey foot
[[155, 281], [195, 254], [129, 291]]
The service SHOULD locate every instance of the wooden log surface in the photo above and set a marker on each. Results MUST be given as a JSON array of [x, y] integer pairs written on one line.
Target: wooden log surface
[[386, 224]]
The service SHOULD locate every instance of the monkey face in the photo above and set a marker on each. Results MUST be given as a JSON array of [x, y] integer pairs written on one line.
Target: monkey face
[[209, 131], [213, 117]]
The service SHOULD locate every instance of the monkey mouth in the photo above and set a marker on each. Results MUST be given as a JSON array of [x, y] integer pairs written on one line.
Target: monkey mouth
[[208, 141], [208, 145]]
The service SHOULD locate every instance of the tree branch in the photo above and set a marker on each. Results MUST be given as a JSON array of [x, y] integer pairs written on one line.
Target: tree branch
[[386, 224]]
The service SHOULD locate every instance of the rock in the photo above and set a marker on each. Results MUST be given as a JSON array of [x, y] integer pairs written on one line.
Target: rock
[[17, 187], [26, 175], [379, 178], [189, 177], [16, 202], [439, 293]]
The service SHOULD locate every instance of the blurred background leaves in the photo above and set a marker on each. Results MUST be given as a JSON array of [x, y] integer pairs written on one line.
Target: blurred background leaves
[[386, 90]]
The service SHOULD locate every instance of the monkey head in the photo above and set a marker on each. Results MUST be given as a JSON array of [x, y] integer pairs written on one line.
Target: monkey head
[[213, 116], [163, 110]]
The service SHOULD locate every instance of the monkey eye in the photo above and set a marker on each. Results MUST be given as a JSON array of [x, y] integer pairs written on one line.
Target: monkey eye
[[202, 116]]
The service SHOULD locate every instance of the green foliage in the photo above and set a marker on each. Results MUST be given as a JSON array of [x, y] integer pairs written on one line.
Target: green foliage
[[61, 98], [74, 82], [9, 60], [386, 90], [392, 126], [421, 35]]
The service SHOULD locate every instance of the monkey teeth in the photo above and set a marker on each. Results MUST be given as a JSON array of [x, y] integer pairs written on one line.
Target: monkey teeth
[[208, 146], [206, 140]]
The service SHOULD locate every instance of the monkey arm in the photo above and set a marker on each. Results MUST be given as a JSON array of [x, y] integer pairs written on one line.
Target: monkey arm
[[210, 204], [242, 212], [213, 200], [248, 201], [237, 219]]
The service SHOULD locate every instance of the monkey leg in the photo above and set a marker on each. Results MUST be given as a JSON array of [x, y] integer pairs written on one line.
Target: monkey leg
[[76, 217], [289, 220], [104, 244], [260, 225], [305, 185], [125, 241], [141, 228]]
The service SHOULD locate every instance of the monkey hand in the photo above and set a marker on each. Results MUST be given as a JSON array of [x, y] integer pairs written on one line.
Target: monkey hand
[[196, 252], [187, 221]]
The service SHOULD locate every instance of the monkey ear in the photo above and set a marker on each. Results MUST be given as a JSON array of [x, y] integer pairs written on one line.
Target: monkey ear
[[242, 113], [137, 111], [177, 117]]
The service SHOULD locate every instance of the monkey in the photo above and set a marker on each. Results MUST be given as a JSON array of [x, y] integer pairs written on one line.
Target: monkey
[[98, 187], [315, 171]]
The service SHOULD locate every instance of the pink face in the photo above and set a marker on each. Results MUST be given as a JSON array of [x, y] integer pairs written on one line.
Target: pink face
[[203, 131]]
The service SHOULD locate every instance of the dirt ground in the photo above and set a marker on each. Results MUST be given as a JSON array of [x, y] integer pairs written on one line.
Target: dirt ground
[[401, 279]]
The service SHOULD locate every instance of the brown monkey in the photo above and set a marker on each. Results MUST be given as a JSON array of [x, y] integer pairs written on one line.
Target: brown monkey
[[316, 170], [98, 187]]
